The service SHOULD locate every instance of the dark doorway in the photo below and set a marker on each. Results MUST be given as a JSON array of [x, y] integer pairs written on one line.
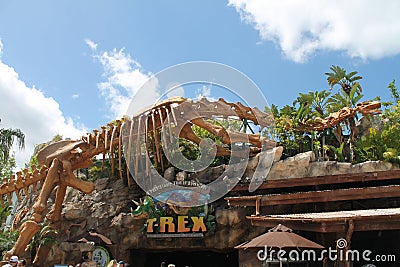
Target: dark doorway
[[185, 258]]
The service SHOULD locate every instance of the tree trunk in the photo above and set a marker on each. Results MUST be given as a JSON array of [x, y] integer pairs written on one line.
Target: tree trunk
[[352, 138], [323, 146]]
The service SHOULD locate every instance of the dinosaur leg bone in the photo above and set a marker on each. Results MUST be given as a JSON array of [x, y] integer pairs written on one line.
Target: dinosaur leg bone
[[27, 230], [67, 178], [52, 179], [55, 214]]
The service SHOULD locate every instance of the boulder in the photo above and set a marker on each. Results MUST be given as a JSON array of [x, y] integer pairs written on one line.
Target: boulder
[[101, 184], [292, 167]]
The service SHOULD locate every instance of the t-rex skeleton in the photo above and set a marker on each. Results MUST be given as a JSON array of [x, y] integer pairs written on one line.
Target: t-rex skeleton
[[318, 124], [58, 160]]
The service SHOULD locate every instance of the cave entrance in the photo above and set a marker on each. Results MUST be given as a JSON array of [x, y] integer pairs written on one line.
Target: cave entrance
[[180, 258]]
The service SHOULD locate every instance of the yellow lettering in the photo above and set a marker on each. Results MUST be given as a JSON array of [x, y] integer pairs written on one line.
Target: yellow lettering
[[150, 223], [182, 221], [198, 224], [167, 221]]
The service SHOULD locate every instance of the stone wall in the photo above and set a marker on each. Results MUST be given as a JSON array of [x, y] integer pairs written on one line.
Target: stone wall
[[107, 210]]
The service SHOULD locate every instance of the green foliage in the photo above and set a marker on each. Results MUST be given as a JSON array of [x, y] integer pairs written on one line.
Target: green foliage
[[305, 109], [348, 96], [382, 142], [317, 101], [346, 80], [96, 171], [7, 167], [332, 143], [338, 151], [394, 91], [46, 237], [7, 240], [7, 138], [342, 99], [7, 237], [5, 210]]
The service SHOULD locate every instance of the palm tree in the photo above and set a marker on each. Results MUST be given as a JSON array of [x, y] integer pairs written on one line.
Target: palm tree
[[344, 99], [7, 139], [350, 100], [317, 102], [346, 80]]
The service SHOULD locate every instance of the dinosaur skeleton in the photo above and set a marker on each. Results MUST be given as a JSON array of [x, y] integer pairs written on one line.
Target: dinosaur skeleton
[[318, 124], [58, 160]]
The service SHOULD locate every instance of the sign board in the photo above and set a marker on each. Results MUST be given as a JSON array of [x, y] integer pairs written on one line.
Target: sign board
[[165, 218], [101, 256]]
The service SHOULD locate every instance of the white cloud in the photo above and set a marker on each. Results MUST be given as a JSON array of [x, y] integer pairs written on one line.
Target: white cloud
[[91, 44], [75, 96], [366, 29], [123, 78], [28, 109]]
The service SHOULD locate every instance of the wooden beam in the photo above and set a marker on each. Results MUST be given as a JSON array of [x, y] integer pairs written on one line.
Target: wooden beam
[[334, 226], [318, 196], [323, 180]]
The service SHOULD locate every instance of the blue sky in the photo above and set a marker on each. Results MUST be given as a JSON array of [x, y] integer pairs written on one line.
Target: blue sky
[[68, 66]]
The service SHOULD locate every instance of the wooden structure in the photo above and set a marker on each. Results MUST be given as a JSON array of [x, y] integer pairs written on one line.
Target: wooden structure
[[335, 221], [345, 187]]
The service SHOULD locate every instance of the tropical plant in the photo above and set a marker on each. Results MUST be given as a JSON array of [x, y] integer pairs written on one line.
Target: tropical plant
[[318, 103], [394, 91], [285, 131], [346, 99], [41, 242], [338, 151], [7, 237], [7, 167], [7, 139], [346, 80], [382, 141]]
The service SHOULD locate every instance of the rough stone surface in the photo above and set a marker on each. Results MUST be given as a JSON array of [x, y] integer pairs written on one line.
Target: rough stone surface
[[208, 175], [82, 247], [107, 209], [169, 174]]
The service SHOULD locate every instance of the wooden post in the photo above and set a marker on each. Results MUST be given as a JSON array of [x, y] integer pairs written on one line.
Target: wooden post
[[349, 234], [258, 202]]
